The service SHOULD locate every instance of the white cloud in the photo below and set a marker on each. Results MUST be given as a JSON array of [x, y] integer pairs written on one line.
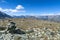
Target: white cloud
[[50, 14], [0, 9], [19, 8]]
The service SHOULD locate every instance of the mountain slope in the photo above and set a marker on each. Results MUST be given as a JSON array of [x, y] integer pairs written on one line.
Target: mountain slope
[[4, 15]]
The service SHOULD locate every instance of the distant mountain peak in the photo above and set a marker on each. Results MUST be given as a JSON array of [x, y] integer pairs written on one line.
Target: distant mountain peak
[[4, 15]]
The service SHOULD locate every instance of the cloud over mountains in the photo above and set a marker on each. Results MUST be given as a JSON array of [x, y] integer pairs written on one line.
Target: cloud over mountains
[[18, 8]]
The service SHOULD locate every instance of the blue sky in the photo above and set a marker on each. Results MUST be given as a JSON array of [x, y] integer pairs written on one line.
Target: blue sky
[[30, 7]]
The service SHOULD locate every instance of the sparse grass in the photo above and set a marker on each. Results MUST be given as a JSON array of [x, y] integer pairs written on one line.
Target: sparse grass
[[31, 23]]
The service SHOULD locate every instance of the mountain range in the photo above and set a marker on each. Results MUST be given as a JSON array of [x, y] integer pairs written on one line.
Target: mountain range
[[4, 15], [55, 18]]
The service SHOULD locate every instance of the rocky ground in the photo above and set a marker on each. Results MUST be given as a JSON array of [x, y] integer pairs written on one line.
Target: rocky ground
[[34, 34], [35, 30]]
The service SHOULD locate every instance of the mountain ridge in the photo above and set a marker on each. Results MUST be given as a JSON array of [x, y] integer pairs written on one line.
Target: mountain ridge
[[47, 17], [4, 15], [55, 18]]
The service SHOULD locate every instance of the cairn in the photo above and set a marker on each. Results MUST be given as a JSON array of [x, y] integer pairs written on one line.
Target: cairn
[[11, 32]]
